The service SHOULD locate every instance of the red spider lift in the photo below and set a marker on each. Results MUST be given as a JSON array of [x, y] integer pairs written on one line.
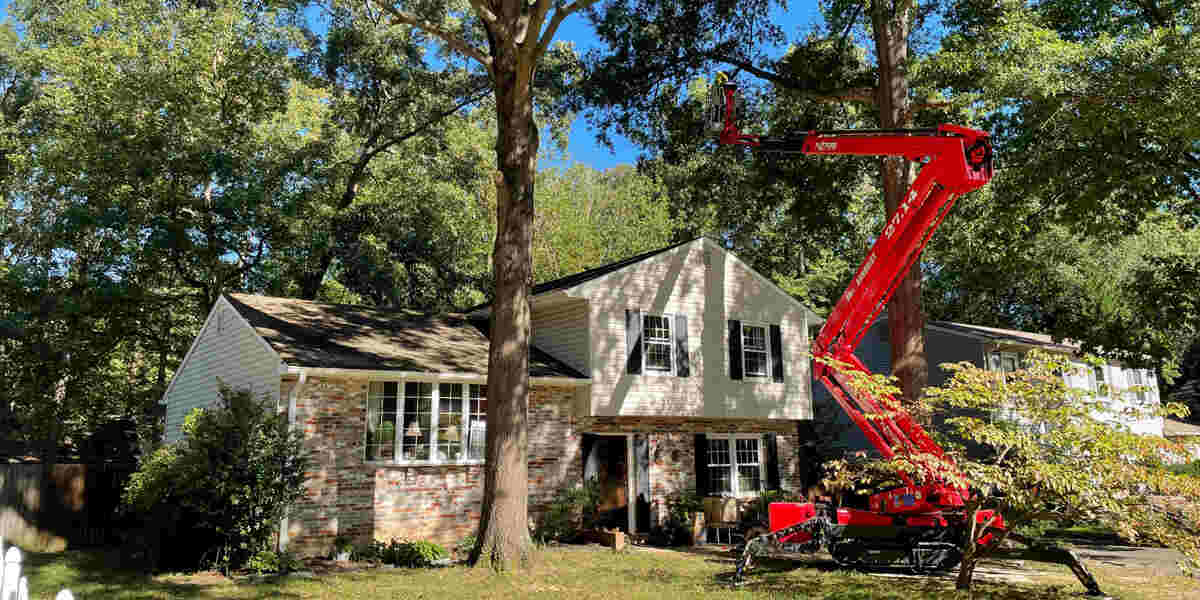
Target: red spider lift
[[921, 524]]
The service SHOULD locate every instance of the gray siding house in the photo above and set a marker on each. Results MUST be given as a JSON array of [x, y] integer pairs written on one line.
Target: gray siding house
[[985, 347]]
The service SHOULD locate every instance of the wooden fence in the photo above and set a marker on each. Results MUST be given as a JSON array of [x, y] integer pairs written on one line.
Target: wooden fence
[[80, 508]]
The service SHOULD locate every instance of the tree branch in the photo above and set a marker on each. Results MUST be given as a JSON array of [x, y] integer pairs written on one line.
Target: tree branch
[[489, 17], [556, 20], [854, 94], [400, 17]]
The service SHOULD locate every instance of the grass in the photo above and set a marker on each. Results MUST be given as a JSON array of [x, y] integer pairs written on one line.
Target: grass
[[580, 573]]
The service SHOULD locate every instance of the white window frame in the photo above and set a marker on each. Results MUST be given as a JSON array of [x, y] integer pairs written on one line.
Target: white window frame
[[1139, 378], [1004, 413], [734, 488], [429, 438], [646, 368], [766, 345]]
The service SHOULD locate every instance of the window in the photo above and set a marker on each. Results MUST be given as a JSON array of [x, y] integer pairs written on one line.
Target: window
[[1098, 385], [656, 342], [420, 421], [1004, 363], [755, 351], [1136, 379], [735, 464]]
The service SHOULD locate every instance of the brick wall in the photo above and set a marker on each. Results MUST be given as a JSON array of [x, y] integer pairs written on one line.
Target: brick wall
[[673, 450], [344, 495]]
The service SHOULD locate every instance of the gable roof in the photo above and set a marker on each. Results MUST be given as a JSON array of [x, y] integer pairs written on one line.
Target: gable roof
[[1008, 336], [344, 336], [570, 281]]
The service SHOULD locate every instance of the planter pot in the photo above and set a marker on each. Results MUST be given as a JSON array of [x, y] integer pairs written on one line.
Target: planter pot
[[342, 555]]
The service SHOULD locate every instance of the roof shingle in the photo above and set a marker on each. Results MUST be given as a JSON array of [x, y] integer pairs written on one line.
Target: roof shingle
[[343, 336]]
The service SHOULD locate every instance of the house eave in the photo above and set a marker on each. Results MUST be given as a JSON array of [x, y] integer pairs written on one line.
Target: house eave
[[384, 374]]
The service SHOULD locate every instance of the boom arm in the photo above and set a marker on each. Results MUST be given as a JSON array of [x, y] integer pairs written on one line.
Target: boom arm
[[956, 160]]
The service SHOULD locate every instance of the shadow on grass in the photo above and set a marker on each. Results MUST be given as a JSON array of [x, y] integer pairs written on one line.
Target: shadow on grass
[[100, 573], [825, 580]]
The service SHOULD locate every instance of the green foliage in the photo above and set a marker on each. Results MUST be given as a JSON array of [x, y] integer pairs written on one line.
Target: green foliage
[[232, 476], [401, 553], [1036, 449], [1191, 469], [342, 544], [464, 546], [153, 480], [572, 510], [269, 561]]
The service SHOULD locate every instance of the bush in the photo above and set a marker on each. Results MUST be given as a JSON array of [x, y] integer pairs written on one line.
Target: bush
[[229, 480], [678, 528], [465, 545], [571, 511], [401, 553], [1191, 469], [270, 561], [342, 544]]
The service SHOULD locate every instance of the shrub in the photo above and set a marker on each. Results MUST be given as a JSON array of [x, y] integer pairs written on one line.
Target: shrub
[[571, 511], [678, 528], [229, 480], [1192, 469], [402, 553], [465, 545], [270, 561], [342, 544], [413, 553]]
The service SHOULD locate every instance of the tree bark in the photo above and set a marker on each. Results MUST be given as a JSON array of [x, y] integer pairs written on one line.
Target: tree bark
[[891, 22], [504, 541]]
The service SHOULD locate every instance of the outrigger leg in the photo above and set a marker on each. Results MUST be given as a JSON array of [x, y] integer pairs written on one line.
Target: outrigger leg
[[760, 545]]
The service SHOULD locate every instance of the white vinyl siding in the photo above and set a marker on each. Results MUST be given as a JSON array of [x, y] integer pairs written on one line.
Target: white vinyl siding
[[560, 329], [227, 350], [709, 286]]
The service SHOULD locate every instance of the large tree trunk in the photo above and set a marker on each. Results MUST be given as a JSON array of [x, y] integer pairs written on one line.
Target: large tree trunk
[[503, 539], [891, 22]]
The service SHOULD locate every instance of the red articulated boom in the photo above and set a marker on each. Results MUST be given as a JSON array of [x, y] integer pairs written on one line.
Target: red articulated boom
[[922, 523]]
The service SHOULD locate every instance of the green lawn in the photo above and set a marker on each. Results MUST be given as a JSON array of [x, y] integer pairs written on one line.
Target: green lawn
[[578, 573]]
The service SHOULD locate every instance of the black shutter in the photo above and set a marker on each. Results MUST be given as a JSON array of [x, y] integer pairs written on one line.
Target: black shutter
[[701, 464], [641, 472], [735, 349], [633, 341], [772, 452], [776, 354], [682, 368]]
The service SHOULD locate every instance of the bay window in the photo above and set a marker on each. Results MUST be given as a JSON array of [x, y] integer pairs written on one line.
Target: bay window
[[425, 422]]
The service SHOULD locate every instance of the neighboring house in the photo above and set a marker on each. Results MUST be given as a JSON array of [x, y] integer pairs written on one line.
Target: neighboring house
[[997, 350], [674, 370]]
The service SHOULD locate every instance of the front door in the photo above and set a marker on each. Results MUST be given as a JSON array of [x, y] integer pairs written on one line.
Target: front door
[[605, 460]]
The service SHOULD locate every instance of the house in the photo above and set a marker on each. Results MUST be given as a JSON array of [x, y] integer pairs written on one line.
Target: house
[[673, 370], [997, 350]]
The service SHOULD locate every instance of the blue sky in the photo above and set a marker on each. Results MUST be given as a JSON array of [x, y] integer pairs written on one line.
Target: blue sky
[[582, 145]]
